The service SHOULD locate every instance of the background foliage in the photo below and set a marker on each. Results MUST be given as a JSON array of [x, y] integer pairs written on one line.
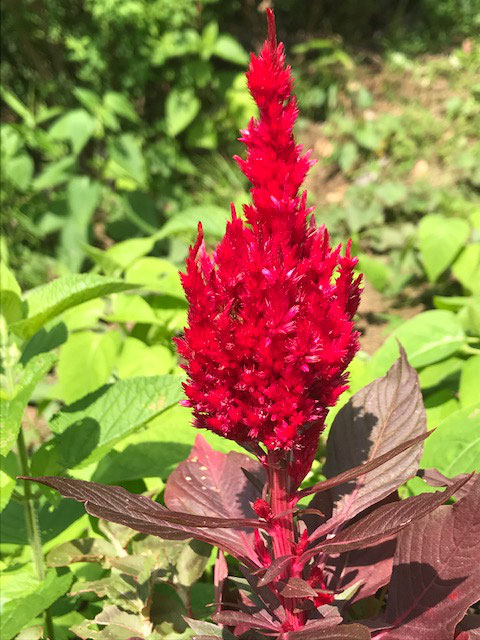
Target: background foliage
[[119, 119]]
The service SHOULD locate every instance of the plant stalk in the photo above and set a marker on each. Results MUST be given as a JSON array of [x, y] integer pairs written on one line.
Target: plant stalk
[[283, 538], [34, 535]]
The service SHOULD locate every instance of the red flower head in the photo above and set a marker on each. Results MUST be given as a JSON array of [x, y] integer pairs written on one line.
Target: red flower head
[[270, 318]]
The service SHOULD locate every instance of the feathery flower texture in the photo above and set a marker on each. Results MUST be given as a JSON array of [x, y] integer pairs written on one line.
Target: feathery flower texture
[[270, 312]]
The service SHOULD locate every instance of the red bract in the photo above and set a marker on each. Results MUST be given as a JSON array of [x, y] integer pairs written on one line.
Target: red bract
[[271, 311]]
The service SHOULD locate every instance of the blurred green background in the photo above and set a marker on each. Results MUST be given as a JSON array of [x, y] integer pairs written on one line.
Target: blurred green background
[[119, 120]]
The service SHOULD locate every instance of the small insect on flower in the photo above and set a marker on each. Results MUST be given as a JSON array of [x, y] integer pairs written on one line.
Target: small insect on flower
[[270, 323]]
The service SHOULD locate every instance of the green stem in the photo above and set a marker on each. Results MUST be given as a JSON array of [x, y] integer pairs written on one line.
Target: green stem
[[34, 535]]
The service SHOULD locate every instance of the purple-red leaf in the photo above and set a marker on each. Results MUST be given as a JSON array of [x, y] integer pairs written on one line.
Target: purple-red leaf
[[210, 483], [385, 522], [234, 618], [275, 569], [340, 632], [469, 628], [146, 516], [295, 588], [371, 567], [381, 416], [363, 469], [436, 574]]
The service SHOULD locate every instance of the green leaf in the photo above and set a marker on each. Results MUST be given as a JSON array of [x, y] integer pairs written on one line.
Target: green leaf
[[19, 170], [454, 447], [376, 271], [120, 105], [470, 382], [348, 156], [466, 268], [18, 613], [154, 452], [10, 295], [213, 221], [12, 408], [86, 363], [428, 337], [55, 173], [126, 252], [439, 405], [49, 300], [131, 308], [441, 373], [138, 359], [439, 240], [126, 161], [89, 428], [83, 196], [17, 105], [76, 126], [156, 274], [8, 478], [227, 48], [181, 107]]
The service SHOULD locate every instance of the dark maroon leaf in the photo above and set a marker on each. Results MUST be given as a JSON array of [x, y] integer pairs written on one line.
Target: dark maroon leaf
[[436, 479], [210, 483], [436, 574], [363, 469], [220, 574], [146, 516], [371, 567], [274, 570], [385, 522], [233, 618], [295, 588], [381, 416], [340, 632]]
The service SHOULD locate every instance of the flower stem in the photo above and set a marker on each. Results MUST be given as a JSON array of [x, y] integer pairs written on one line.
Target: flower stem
[[282, 533]]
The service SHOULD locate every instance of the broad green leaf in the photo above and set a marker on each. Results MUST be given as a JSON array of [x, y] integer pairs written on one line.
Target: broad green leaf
[[454, 447], [83, 196], [227, 48], [155, 451], [213, 221], [49, 300], [466, 268], [19, 170], [181, 107], [90, 427], [451, 303], [439, 405], [119, 104], [126, 161], [470, 382], [86, 363], [440, 239], [12, 408], [76, 126], [18, 613], [139, 359], [55, 173], [126, 252], [8, 478], [428, 337], [85, 315], [156, 274], [441, 373], [10, 295], [45, 340], [131, 308], [376, 271]]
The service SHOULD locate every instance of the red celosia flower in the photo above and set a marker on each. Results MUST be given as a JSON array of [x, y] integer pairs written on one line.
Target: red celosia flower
[[270, 318]]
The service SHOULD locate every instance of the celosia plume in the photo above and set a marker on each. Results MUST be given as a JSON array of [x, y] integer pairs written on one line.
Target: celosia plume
[[270, 319]]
